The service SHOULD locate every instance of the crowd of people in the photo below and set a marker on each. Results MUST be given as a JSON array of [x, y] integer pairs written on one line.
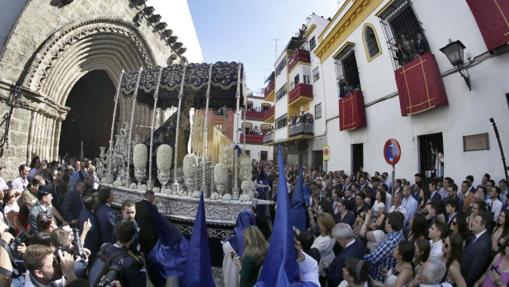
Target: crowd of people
[[302, 118], [58, 228], [365, 230]]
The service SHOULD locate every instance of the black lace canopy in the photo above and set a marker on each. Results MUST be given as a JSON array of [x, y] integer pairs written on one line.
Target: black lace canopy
[[224, 83]]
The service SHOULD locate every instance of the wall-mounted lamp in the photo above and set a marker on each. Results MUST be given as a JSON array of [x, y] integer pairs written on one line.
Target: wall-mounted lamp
[[454, 51]]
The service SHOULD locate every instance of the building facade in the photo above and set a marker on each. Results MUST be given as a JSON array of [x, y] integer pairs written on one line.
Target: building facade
[[255, 132], [381, 74], [58, 55]]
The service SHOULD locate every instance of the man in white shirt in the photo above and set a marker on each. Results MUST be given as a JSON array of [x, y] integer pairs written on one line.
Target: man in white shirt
[[494, 203], [21, 182], [308, 268], [436, 233], [409, 203], [396, 205]]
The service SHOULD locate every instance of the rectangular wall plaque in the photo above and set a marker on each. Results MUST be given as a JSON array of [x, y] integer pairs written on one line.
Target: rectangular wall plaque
[[476, 142]]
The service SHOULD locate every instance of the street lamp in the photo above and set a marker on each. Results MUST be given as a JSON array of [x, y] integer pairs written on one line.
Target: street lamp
[[454, 51]]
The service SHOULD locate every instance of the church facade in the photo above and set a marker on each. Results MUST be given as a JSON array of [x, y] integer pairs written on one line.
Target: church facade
[[60, 64]]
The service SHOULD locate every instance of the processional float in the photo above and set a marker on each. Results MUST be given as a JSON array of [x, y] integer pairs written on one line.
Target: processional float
[[131, 165]]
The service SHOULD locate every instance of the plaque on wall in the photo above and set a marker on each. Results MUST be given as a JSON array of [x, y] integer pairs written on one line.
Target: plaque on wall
[[476, 142]]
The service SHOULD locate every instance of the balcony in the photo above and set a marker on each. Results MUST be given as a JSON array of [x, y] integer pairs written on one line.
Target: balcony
[[268, 114], [269, 91], [255, 115], [301, 94], [420, 85], [298, 56], [252, 139], [304, 130], [268, 138], [352, 114]]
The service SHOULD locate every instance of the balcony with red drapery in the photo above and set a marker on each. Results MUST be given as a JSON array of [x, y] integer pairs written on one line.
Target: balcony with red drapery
[[252, 139], [352, 114], [492, 17], [298, 56], [420, 85]]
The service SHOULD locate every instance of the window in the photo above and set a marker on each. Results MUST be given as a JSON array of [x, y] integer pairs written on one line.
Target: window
[[318, 110], [347, 74], [282, 121], [306, 79], [406, 36], [312, 43], [281, 92], [296, 80], [371, 42], [281, 66], [316, 74]]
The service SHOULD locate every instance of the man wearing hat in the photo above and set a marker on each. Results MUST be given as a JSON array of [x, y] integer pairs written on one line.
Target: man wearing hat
[[44, 198]]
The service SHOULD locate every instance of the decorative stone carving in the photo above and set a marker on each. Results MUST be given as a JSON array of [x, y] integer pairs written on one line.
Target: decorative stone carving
[[73, 33]]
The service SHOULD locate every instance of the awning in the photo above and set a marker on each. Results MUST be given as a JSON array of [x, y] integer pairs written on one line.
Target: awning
[[224, 83]]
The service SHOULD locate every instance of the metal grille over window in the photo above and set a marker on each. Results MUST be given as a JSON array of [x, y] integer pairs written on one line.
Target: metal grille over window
[[404, 31], [347, 74], [281, 92], [282, 121]]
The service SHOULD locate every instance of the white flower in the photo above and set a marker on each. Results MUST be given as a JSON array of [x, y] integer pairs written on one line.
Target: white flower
[[164, 157], [190, 165], [220, 174], [140, 156]]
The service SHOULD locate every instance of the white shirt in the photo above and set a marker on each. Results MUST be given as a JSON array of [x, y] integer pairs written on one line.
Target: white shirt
[[410, 204], [479, 234], [324, 244], [20, 183], [309, 270], [3, 184], [377, 206], [496, 207], [400, 209], [388, 201], [436, 249]]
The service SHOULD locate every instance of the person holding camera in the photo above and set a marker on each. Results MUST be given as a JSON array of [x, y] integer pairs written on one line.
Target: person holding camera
[[125, 266], [47, 269]]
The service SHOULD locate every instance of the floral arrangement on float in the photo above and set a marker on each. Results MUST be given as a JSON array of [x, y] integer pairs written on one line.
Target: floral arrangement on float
[[164, 156]]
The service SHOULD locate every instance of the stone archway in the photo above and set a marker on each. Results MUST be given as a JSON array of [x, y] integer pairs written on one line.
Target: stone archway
[[109, 45], [89, 119]]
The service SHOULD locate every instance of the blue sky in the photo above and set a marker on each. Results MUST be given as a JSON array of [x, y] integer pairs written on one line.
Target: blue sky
[[241, 30]]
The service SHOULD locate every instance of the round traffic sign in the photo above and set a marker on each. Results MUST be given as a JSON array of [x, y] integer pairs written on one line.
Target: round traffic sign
[[392, 151]]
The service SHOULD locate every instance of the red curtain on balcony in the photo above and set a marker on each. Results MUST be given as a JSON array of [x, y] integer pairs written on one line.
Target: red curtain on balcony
[[420, 85], [492, 17], [352, 114]]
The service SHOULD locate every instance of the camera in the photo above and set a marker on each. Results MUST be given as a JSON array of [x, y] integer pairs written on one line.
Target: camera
[[78, 248], [15, 243], [110, 276]]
